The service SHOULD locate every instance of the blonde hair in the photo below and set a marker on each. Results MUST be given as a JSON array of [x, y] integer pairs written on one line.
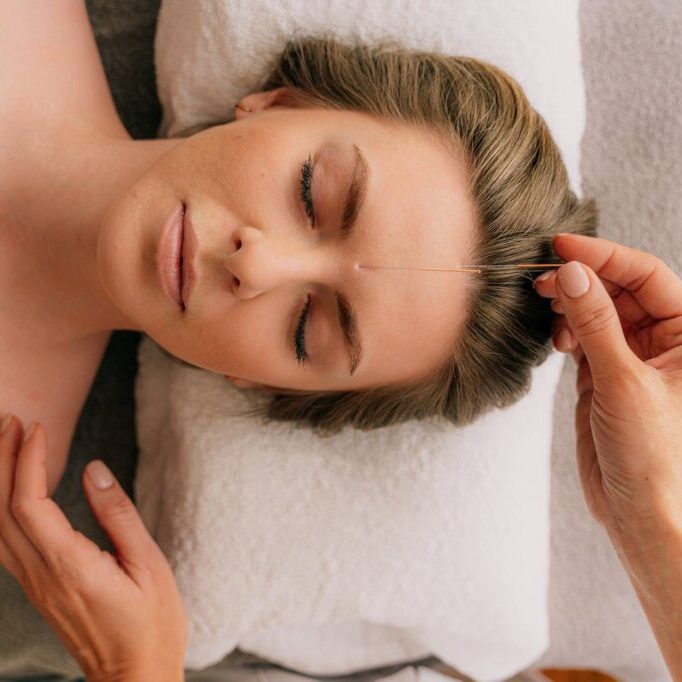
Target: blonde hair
[[522, 197]]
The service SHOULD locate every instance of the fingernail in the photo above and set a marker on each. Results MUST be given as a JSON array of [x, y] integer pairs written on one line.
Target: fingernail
[[29, 432], [564, 340], [573, 279], [5, 423], [544, 276], [99, 474]]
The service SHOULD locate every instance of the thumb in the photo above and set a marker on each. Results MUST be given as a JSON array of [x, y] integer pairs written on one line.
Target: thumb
[[119, 518], [594, 321]]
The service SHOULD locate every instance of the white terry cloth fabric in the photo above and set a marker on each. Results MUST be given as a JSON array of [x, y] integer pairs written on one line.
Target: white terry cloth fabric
[[210, 53], [335, 555], [419, 539]]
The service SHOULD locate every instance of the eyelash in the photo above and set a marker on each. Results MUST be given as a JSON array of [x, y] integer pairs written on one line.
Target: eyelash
[[299, 336], [307, 198]]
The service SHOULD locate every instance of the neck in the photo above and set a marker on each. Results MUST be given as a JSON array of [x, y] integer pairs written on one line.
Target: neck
[[55, 207]]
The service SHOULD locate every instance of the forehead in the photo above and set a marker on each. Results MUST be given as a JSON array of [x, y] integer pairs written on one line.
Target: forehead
[[418, 211]]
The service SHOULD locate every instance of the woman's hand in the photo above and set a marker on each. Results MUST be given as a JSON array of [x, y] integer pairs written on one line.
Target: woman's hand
[[121, 617], [626, 336]]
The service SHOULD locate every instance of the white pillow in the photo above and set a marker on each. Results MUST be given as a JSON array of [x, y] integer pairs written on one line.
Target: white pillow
[[420, 538], [210, 53], [357, 551]]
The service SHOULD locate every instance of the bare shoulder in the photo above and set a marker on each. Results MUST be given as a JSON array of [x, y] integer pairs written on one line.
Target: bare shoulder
[[51, 75]]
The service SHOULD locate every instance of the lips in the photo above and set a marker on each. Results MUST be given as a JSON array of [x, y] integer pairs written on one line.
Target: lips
[[169, 257]]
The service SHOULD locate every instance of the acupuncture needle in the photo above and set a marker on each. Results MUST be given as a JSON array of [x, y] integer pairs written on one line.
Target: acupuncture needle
[[469, 268]]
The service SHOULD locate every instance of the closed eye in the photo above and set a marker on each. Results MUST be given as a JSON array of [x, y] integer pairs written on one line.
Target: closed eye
[[299, 335]]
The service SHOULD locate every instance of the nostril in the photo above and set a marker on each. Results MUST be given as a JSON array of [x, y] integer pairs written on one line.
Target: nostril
[[238, 244], [235, 282]]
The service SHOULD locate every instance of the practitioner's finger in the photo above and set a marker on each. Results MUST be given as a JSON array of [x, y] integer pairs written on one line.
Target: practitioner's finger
[[593, 319], [546, 286], [16, 550], [557, 306], [584, 381], [628, 307], [562, 337], [655, 287], [40, 518]]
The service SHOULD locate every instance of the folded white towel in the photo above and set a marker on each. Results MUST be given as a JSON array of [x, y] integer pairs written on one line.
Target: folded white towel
[[366, 549], [282, 542], [357, 551]]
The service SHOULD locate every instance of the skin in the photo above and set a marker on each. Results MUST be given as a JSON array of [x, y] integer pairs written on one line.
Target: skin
[[241, 181]]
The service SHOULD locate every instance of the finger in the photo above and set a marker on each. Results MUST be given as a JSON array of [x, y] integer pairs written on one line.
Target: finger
[[137, 552], [547, 287], [557, 306], [578, 354], [7, 558], [562, 336], [629, 309], [29, 484], [583, 378], [42, 521], [17, 552], [593, 319], [650, 281]]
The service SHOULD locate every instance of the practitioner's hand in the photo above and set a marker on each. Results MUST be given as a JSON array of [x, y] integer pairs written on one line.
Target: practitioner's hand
[[626, 337], [121, 617]]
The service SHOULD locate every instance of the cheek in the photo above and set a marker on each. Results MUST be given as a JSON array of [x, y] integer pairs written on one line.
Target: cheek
[[245, 341]]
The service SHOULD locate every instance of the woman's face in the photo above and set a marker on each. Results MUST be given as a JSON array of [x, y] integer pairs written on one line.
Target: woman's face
[[262, 261]]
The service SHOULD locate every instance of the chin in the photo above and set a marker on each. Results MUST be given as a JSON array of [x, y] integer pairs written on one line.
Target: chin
[[126, 263]]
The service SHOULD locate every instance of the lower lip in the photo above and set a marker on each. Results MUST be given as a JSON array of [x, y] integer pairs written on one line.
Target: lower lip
[[168, 255]]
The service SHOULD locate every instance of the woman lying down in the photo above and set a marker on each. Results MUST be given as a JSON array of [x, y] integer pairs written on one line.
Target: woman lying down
[[237, 247], [347, 156]]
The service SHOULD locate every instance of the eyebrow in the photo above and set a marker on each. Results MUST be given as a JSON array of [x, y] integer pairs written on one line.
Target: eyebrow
[[354, 201]]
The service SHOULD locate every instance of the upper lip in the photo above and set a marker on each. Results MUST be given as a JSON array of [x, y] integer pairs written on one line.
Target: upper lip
[[189, 249]]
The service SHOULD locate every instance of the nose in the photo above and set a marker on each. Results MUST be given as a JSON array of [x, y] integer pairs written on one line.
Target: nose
[[263, 261]]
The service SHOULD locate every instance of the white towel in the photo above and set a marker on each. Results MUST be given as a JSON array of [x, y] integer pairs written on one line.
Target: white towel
[[331, 556], [362, 550]]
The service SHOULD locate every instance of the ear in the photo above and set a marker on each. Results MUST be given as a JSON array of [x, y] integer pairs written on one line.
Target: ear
[[260, 101], [243, 383]]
